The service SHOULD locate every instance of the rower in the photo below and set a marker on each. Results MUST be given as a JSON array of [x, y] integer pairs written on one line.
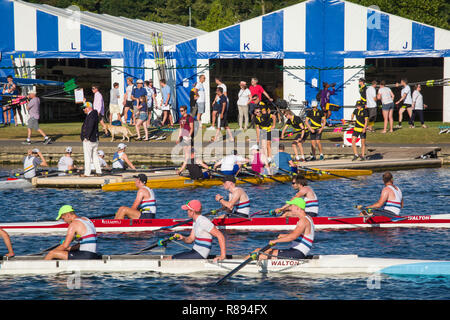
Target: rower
[[231, 164], [8, 244], [238, 203], [315, 122], [299, 131], [120, 158], [391, 196], [65, 163], [194, 165], [78, 226], [304, 192], [101, 160], [31, 161], [301, 237], [259, 161], [144, 207], [265, 123], [202, 234], [283, 161]]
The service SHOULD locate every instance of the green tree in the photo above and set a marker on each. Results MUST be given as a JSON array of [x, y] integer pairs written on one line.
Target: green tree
[[217, 18]]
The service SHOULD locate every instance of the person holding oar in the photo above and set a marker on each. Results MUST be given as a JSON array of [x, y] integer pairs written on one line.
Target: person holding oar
[[300, 133], [78, 226], [144, 207], [230, 164], [201, 235], [305, 193], [238, 203]]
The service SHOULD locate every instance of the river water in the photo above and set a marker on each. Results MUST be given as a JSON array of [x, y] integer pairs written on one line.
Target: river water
[[425, 191]]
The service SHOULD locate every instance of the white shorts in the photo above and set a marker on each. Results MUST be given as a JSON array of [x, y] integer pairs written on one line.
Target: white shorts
[[166, 108], [114, 108]]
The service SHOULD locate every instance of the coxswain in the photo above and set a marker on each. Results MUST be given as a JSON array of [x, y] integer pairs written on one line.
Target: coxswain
[[391, 196], [144, 206], [81, 228], [8, 244], [65, 163], [31, 161], [301, 238], [231, 164], [361, 116], [300, 133], [201, 235], [265, 123], [195, 167], [305, 192], [101, 160], [315, 122], [238, 203], [120, 159]]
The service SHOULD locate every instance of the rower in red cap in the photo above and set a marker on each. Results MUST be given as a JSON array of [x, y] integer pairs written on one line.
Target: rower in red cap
[[202, 234]]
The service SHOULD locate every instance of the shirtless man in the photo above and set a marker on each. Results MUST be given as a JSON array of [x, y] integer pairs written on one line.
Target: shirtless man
[[144, 207], [238, 203], [306, 193], [391, 196], [81, 227]]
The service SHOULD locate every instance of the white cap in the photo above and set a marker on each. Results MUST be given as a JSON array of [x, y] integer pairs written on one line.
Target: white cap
[[139, 81], [314, 103], [254, 147], [69, 149], [121, 146], [100, 153], [36, 150]]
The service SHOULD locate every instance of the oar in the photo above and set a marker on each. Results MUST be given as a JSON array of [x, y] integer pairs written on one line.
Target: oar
[[49, 248], [237, 178], [212, 212], [382, 212], [159, 243], [327, 172], [253, 256], [293, 174], [251, 171]]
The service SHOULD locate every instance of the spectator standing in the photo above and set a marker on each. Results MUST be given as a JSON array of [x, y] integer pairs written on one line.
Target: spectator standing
[[186, 136], [406, 103], [166, 102], [387, 101], [136, 94], [371, 106], [151, 99], [127, 102], [89, 136], [193, 100], [99, 106], [325, 98], [141, 117], [244, 98], [9, 89], [33, 121], [114, 107], [221, 108], [418, 106], [201, 100]]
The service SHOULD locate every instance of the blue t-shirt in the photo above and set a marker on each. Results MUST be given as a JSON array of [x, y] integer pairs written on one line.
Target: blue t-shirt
[[137, 93], [165, 91], [219, 104], [282, 160]]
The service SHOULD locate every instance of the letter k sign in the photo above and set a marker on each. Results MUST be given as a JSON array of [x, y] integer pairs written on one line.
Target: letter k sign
[[247, 46]]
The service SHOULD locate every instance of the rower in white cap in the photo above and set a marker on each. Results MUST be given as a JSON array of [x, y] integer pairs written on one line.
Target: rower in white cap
[[33, 159], [65, 163], [120, 159]]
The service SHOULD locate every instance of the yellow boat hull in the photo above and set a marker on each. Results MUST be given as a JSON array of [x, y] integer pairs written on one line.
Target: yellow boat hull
[[177, 182]]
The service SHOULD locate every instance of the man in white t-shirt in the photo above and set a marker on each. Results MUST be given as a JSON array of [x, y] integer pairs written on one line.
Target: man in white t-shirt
[[231, 164], [417, 105], [65, 163], [101, 159], [387, 101], [371, 104], [127, 101], [404, 103], [222, 85], [201, 100]]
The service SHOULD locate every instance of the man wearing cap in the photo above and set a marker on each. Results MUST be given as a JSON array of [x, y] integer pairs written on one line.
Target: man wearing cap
[[201, 235], [89, 136], [99, 106], [305, 192], [101, 159], [315, 122], [138, 92], [31, 161], [361, 116], [65, 163], [81, 228], [301, 238], [144, 206], [120, 159], [33, 121], [238, 203]]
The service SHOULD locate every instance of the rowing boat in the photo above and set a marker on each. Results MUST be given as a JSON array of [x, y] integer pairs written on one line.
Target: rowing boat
[[176, 182], [15, 183], [320, 264], [251, 224]]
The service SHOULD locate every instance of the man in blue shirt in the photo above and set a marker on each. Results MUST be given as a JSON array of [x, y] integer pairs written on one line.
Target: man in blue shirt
[[283, 160], [136, 93], [166, 102]]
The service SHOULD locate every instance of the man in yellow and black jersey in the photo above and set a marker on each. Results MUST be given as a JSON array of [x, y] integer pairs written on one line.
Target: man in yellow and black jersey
[[299, 131], [255, 103], [315, 122], [361, 116], [265, 123], [362, 91]]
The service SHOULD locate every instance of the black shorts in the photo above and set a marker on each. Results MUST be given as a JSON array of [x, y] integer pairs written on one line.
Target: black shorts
[[188, 255], [83, 255], [129, 104], [291, 253], [359, 134], [217, 108], [298, 137], [224, 121], [147, 216], [311, 214], [316, 135]]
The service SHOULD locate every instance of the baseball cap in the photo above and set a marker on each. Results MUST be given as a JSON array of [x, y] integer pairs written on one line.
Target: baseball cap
[[229, 178], [69, 149], [100, 153], [142, 177], [36, 150], [139, 81], [121, 146], [299, 202], [86, 105], [254, 147], [63, 210], [194, 205]]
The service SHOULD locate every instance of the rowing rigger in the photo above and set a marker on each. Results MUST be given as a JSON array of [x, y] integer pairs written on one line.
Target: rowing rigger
[[233, 223]]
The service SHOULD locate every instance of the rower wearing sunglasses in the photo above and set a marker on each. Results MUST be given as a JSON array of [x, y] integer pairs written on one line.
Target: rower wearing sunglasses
[[265, 123]]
